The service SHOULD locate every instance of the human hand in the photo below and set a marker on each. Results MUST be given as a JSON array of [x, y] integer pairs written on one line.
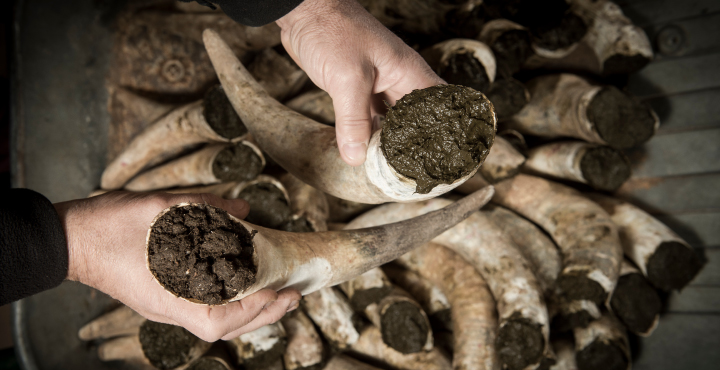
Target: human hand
[[106, 245], [351, 55]]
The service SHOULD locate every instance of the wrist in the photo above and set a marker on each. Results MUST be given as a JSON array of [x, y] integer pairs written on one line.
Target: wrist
[[76, 268], [306, 10]]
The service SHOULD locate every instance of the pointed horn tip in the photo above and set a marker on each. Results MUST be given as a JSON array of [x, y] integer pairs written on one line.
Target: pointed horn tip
[[482, 196], [215, 45], [210, 36]]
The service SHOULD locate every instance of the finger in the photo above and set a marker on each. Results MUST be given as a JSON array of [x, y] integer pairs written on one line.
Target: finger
[[288, 300], [352, 98], [211, 323], [236, 207]]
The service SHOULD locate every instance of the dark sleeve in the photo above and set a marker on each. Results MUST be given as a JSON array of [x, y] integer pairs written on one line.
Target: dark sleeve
[[254, 13], [33, 249]]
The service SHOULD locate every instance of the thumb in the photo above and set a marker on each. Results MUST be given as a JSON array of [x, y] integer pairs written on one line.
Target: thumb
[[352, 99]]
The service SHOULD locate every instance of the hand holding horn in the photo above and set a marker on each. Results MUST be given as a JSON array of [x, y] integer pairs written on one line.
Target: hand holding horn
[[455, 139], [106, 248]]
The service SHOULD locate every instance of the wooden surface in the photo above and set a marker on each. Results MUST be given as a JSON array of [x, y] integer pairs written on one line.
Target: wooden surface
[[677, 173], [60, 117]]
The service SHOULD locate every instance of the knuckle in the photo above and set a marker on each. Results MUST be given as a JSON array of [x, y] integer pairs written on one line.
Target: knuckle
[[350, 77], [346, 85], [275, 317], [354, 123]]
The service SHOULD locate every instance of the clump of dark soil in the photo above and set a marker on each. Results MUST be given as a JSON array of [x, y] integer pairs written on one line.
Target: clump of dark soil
[[466, 70], [268, 206], [552, 24], [438, 134], [624, 64], [605, 168], [566, 322], [460, 23], [602, 356], [207, 363], [404, 328], [673, 266], [508, 96], [265, 359], [547, 362], [526, 12], [621, 121], [237, 163], [511, 49], [503, 8], [197, 252], [635, 302], [567, 31], [166, 346], [519, 343], [221, 115], [363, 298], [577, 286]]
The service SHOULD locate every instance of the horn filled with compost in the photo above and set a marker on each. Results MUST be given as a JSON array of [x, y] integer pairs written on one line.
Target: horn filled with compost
[[203, 254], [455, 138]]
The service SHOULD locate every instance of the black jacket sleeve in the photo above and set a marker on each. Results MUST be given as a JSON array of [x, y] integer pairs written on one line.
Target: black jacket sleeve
[[33, 249], [253, 13]]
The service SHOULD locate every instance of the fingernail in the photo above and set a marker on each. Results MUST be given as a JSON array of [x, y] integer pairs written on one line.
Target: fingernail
[[293, 305], [268, 305], [355, 151]]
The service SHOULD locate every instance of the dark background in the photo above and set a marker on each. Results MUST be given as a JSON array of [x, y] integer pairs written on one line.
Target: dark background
[[6, 13], [7, 356]]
